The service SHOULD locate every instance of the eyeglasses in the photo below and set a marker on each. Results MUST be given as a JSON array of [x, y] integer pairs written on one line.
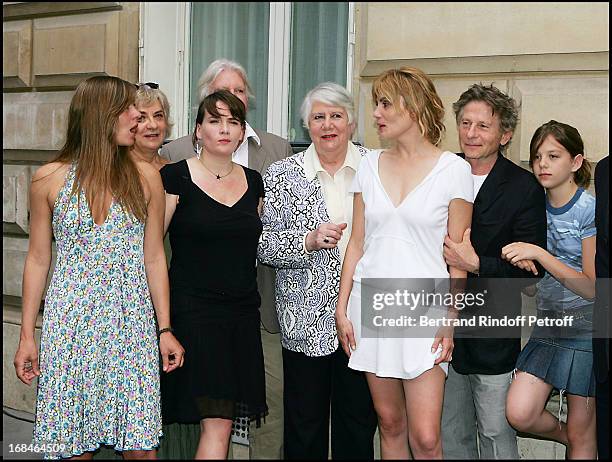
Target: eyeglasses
[[147, 85]]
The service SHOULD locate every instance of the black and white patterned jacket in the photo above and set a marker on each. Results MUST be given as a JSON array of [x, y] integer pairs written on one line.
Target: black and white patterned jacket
[[307, 283]]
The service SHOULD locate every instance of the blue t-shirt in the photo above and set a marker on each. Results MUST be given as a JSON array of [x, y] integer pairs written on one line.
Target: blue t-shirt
[[567, 226]]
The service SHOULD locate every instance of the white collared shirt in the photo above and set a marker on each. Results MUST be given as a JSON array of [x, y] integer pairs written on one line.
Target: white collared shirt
[[338, 199], [241, 155]]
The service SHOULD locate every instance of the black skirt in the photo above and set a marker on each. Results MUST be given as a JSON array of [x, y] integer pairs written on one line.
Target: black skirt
[[223, 373]]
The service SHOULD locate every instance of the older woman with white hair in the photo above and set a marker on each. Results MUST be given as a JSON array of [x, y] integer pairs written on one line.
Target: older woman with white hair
[[306, 225]]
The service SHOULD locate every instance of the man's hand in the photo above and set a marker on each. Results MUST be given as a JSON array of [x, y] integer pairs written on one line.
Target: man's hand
[[461, 255]]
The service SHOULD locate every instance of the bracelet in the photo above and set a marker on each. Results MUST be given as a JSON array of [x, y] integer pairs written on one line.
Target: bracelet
[[165, 329]]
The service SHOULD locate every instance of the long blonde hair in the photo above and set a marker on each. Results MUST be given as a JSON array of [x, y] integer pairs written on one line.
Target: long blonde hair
[[417, 91], [101, 165]]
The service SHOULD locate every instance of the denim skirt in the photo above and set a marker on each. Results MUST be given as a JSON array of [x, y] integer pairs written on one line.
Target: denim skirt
[[566, 363]]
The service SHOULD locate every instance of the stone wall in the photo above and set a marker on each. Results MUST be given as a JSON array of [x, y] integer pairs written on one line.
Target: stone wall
[[553, 58]]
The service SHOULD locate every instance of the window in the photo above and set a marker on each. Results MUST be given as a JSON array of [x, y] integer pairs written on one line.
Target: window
[[319, 42], [234, 31], [286, 49]]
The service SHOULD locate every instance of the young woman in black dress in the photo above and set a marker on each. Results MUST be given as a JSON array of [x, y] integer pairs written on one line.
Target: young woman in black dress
[[212, 213]]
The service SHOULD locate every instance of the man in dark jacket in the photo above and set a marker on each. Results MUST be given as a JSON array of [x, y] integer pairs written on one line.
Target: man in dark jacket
[[509, 206]]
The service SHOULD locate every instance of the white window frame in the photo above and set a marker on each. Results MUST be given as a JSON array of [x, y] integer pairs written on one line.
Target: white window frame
[[163, 44], [164, 41], [279, 45]]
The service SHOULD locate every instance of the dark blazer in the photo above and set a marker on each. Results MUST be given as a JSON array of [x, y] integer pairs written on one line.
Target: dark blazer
[[601, 312], [272, 148], [510, 207]]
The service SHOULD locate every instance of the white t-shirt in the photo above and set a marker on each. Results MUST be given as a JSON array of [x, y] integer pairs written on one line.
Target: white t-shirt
[[478, 181]]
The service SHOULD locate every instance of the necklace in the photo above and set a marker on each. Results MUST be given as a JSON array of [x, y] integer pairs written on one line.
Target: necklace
[[218, 175]]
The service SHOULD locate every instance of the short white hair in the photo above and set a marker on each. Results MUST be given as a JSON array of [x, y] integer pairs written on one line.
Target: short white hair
[[214, 69], [329, 93]]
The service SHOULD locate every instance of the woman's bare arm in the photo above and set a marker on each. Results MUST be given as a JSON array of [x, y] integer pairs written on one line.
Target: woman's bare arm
[[43, 190], [156, 269]]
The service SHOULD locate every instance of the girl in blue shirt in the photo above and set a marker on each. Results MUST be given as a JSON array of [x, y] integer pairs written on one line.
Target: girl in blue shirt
[[560, 357]]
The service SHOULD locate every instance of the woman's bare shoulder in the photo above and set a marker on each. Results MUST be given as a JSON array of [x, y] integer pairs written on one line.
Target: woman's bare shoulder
[[53, 171], [47, 181], [149, 178], [147, 172]]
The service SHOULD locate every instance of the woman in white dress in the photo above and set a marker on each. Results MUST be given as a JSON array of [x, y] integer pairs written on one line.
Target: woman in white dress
[[407, 199]]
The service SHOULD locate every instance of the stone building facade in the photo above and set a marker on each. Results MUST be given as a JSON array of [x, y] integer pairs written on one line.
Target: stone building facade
[[552, 57]]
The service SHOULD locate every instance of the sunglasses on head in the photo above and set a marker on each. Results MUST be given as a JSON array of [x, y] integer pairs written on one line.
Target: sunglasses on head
[[147, 85]]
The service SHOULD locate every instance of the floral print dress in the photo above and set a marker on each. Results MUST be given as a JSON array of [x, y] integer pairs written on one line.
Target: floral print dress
[[99, 359]]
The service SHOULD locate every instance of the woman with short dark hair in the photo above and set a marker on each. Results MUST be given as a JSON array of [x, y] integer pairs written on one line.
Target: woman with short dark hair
[[212, 215]]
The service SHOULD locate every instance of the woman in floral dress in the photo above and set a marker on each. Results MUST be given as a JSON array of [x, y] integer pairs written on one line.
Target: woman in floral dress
[[99, 364]]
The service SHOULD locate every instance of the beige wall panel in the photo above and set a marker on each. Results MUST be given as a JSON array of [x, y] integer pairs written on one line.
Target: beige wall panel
[[79, 45], [9, 196], [10, 54], [580, 101], [128, 54], [35, 120], [366, 133], [74, 50], [15, 250], [15, 187], [17, 54], [439, 30]]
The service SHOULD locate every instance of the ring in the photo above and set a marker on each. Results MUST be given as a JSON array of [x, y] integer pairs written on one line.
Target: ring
[[326, 240]]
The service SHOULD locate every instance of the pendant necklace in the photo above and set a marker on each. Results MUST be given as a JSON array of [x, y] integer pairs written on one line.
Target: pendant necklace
[[218, 175]]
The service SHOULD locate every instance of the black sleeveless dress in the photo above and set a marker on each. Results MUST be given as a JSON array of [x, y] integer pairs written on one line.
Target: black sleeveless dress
[[214, 303]]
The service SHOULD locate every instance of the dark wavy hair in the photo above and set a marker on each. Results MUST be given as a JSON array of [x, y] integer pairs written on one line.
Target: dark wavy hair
[[568, 137]]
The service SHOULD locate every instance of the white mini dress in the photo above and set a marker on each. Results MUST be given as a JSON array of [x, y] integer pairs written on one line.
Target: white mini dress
[[403, 242]]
